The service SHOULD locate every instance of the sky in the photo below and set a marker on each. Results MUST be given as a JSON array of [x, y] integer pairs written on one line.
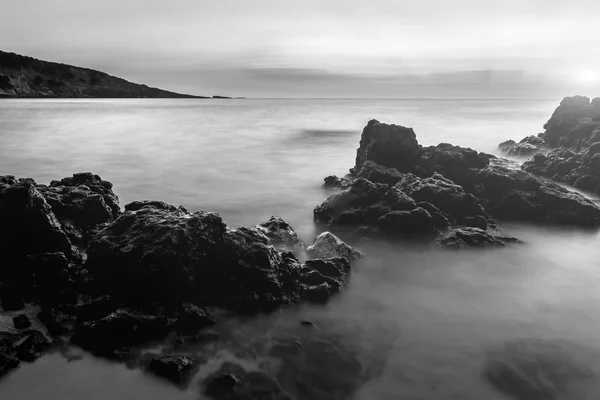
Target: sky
[[321, 48]]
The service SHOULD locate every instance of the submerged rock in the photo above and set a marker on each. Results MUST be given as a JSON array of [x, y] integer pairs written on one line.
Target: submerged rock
[[33, 347], [7, 363], [459, 238], [108, 336], [328, 245], [21, 321], [178, 369], [192, 319], [335, 182], [391, 146], [232, 382], [537, 370]]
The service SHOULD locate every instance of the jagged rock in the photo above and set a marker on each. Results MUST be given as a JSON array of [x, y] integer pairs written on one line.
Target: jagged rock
[[173, 257], [27, 223], [107, 336], [7, 363], [21, 321], [444, 194], [537, 370], [407, 223], [322, 278], [175, 368], [161, 205], [334, 182], [515, 195], [281, 235], [232, 382], [379, 174], [570, 112], [328, 245], [391, 146], [363, 203], [459, 238], [10, 299], [527, 147], [192, 319], [453, 162], [33, 347]]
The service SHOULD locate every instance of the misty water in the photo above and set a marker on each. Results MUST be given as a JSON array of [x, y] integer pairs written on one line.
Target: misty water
[[417, 323]]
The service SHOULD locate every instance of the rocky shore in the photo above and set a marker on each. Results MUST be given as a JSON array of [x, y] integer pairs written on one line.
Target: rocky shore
[[111, 280]]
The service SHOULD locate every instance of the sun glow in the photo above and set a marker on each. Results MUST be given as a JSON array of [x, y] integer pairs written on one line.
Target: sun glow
[[588, 77]]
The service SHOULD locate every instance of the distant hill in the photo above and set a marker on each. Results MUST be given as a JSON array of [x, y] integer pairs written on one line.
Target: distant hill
[[22, 76]]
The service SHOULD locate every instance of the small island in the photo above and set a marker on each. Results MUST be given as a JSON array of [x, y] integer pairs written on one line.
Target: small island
[[27, 77]]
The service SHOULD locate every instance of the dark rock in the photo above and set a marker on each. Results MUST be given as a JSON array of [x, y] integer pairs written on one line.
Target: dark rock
[[528, 146], [379, 174], [453, 162], [515, 195], [570, 112], [328, 245], [281, 235], [55, 321], [84, 200], [7, 363], [407, 223], [363, 203], [440, 219], [323, 278], [334, 182], [21, 321], [48, 275], [96, 308], [10, 299], [442, 193], [107, 336], [472, 237], [27, 224], [136, 205], [477, 222], [192, 319], [537, 370], [390, 146], [33, 347], [176, 368], [233, 382]]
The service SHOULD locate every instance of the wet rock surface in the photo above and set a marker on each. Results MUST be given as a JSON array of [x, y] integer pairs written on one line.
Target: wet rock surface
[[282, 235], [177, 369], [328, 245]]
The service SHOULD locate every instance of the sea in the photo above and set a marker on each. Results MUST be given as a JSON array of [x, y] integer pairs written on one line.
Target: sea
[[419, 323]]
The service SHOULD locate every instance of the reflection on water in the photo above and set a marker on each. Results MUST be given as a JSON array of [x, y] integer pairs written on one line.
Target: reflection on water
[[413, 324]]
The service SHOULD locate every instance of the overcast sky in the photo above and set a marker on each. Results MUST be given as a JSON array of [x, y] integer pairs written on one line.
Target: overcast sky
[[321, 48]]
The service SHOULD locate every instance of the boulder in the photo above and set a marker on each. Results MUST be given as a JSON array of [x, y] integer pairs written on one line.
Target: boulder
[[161, 205], [515, 195], [322, 278], [570, 112], [281, 235], [7, 363], [469, 237], [27, 223], [232, 381], [453, 162], [538, 370], [173, 257], [21, 321], [379, 174], [108, 336], [334, 182], [527, 147], [391, 146], [177, 369], [10, 298], [33, 347], [444, 194], [415, 222], [192, 319], [328, 245], [362, 203]]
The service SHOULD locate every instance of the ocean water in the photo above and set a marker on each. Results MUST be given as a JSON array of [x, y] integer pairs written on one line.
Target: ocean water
[[419, 323]]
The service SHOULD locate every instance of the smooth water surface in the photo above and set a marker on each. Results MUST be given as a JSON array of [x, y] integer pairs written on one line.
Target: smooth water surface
[[420, 322]]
